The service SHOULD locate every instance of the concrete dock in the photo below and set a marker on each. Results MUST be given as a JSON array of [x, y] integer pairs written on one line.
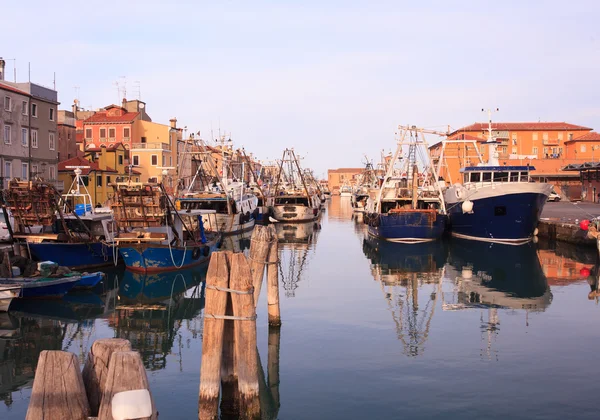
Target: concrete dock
[[560, 222]]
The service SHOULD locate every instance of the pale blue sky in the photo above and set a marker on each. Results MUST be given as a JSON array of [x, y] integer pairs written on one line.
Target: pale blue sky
[[331, 78]]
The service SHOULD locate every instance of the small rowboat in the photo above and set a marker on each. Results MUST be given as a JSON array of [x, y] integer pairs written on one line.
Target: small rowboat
[[40, 288]]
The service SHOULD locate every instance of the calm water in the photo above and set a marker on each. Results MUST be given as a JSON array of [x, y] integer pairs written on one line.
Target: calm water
[[370, 330]]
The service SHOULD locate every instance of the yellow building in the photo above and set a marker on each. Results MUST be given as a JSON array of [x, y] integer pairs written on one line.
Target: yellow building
[[153, 151], [99, 168]]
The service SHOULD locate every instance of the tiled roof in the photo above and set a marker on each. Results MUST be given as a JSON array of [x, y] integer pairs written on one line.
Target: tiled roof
[[102, 117], [79, 161], [591, 136], [523, 126], [12, 89], [465, 136]]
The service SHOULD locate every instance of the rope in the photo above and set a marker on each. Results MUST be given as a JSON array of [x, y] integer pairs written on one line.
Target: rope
[[226, 289], [263, 262], [171, 249], [233, 318]]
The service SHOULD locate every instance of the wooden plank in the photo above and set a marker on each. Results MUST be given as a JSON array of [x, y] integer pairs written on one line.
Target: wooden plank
[[58, 391], [96, 368], [212, 340], [245, 337], [125, 373]]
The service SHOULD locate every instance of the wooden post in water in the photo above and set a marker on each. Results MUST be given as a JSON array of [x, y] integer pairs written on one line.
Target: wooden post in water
[[273, 365], [125, 373], [96, 368], [273, 283], [212, 342], [245, 337], [259, 251], [58, 391], [230, 407]]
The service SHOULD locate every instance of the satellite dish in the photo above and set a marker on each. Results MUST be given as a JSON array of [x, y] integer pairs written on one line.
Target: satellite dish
[[142, 106]]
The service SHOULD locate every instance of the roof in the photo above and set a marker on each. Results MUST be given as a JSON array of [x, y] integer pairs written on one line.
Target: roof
[[345, 170], [465, 136], [524, 126], [582, 166], [15, 90], [497, 168], [79, 161], [102, 117], [591, 136]]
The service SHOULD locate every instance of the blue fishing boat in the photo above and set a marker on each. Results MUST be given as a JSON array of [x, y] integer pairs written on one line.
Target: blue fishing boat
[[409, 207], [41, 288], [495, 203], [156, 236], [89, 281]]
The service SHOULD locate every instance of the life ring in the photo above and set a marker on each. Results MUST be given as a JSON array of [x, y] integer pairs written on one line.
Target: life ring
[[459, 191], [206, 250], [196, 253]]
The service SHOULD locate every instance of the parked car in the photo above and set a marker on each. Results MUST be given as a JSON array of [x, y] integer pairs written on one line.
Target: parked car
[[553, 196], [4, 235]]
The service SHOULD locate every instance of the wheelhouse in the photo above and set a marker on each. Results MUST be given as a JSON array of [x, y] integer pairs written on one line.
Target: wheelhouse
[[496, 174]]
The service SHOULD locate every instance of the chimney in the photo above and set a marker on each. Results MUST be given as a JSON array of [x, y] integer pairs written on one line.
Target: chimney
[[173, 122], [124, 103], [2, 66]]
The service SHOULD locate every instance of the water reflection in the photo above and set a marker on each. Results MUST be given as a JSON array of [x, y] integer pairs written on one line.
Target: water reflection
[[403, 270], [152, 308], [297, 242]]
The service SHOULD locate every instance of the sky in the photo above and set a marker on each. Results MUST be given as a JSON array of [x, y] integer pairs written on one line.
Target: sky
[[332, 79]]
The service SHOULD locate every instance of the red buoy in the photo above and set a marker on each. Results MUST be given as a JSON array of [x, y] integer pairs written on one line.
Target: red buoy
[[584, 272], [585, 224]]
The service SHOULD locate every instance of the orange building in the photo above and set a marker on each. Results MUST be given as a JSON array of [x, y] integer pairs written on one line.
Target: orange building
[[548, 146], [337, 177]]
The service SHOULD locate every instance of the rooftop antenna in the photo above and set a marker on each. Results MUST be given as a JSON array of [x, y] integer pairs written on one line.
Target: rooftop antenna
[[116, 83], [14, 60], [124, 87], [137, 90], [77, 92]]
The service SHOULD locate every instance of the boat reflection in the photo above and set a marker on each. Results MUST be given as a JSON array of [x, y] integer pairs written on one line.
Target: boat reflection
[[238, 243], [404, 270], [151, 308], [297, 243]]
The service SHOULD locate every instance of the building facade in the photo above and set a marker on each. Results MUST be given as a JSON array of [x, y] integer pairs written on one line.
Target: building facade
[[67, 135], [338, 177]]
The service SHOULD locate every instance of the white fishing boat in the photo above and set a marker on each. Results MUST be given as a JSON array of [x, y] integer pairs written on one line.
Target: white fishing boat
[[7, 294]]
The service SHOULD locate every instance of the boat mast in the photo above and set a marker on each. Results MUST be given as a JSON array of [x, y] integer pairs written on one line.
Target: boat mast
[[390, 170], [491, 142]]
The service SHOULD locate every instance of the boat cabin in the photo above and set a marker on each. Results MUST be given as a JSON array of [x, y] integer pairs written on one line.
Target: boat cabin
[[493, 174], [292, 200]]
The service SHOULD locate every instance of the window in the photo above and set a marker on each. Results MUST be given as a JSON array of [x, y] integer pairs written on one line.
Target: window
[[24, 171], [51, 142], [504, 149], [487, 176], [154, 161], [514, 150], [88, 133], [102, 133], [501, 177], [7, 169], [475, 176], [112, 132], [514, 177], [126, 132], [7, 103], [143, 139], [53, 173], [7, 134], [34, 110], [534, 136], [34, 139], [99, 180], [560, 137], [136, 160], [170, 161], [524, 177], [535, 151], [25, 108], [51, 114], [570, 136], [164, 160], [514, 139], [24, 137], [120, 159], [107, 179], [34, 170], [583, 148], [545, 136]]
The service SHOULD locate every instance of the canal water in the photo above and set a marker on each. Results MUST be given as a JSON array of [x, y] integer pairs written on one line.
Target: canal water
[[370, 329]]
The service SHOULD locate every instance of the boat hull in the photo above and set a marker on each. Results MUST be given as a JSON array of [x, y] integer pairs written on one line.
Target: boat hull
[[35, 288], [507, 218], [407, 227], [291, 213], [77, 256], [89, 281], [229, 224], [155, 258], [6, 297]]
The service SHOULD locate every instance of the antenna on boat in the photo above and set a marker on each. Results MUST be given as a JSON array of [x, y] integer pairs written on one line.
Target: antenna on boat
[[74, 190], [491, 142]]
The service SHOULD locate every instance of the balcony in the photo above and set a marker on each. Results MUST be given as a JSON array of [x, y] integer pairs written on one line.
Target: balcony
[[551, 142], [151, 146]]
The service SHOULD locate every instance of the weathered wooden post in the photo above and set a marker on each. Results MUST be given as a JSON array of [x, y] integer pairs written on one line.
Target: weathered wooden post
[[96, 368], [259, 251], [58, 391], [125, 373], [245, 336], [229, 383], [273, 282], [212, 342]]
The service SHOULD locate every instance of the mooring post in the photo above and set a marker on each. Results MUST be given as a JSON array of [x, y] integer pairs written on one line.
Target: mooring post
[[259, 250], [273, 283], [96, 368], [58, 391], [230, 407], [212, 341], [245, 336]]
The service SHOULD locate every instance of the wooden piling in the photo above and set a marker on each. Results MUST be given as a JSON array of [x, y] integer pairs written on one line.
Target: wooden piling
[[259, 251], [273, 285], [273, 364], [58, 391], [125, 373], [212, 341], [96, 368], [245, 337], [230, 407]]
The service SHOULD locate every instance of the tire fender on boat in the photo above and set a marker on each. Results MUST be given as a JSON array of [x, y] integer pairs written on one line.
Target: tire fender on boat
[[196, 253], [206, 250]]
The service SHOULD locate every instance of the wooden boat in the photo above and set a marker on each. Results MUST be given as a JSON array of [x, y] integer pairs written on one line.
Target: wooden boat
[[7, 294], [409, 207], [41, 287], [89, 281], [155, 236]]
